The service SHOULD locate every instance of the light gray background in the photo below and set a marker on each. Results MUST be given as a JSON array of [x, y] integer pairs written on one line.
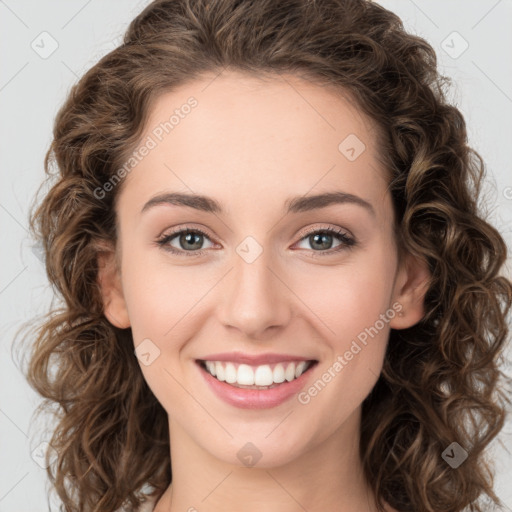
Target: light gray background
[[32, 88]]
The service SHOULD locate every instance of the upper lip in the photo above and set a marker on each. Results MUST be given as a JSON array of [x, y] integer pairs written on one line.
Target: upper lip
[[254, 360]]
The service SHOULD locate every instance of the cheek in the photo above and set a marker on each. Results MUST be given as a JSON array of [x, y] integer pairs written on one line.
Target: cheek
[[357, 311], [164, 299], [157, 308], [351, 297], [340, 301], [153, 295]]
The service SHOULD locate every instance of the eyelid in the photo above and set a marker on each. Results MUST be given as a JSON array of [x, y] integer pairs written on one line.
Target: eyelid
[[187, 227], [330, 229], [302, 234], [349, 242]]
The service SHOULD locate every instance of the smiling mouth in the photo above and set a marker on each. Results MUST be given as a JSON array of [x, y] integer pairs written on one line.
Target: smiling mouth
[[266, 376]]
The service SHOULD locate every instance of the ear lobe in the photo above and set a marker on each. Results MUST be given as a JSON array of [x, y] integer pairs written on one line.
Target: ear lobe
[[411, 285], [109, 281]]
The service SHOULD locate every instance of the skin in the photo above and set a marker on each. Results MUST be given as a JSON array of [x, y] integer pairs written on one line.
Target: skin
[[252, 144]]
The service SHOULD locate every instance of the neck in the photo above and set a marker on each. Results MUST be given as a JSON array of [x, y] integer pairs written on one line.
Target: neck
[[327, 475]]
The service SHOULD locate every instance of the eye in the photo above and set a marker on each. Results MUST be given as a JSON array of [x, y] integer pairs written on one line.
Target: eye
[[188, 239], [322, 239]]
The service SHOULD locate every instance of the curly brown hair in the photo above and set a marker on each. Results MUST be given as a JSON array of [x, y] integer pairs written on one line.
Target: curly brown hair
[[441, 380]]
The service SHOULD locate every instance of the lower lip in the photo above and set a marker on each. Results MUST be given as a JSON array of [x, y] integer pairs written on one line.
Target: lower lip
[[255, 398]]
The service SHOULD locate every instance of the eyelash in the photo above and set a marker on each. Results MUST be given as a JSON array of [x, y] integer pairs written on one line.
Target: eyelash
[[347, 241]]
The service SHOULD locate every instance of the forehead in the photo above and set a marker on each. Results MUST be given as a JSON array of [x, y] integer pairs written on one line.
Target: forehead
[[234, 135]]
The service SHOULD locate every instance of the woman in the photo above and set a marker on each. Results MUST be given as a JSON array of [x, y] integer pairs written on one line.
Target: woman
[[331, 338]]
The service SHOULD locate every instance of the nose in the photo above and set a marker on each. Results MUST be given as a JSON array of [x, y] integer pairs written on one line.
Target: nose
[[255, 299]]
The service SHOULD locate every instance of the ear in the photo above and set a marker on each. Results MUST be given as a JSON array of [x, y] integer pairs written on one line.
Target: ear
[[411, 285], [109, 281]]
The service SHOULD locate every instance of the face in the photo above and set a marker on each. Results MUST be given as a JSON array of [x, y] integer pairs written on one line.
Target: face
[[271, 271]]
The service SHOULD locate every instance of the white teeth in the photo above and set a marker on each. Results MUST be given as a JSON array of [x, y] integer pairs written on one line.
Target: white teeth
[[300, 369], [245, 375], [230, 373], [279, 374], [263, 375], [211, 367], [290, 372], [219, 371]]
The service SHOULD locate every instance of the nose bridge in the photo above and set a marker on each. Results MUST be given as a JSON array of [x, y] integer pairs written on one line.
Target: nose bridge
[[254, 298]]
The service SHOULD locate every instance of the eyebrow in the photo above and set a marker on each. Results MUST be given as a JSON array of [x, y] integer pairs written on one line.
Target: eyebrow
[[293, 204]]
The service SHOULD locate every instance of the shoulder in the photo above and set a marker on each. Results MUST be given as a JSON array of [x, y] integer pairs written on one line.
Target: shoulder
[[148, 506]]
